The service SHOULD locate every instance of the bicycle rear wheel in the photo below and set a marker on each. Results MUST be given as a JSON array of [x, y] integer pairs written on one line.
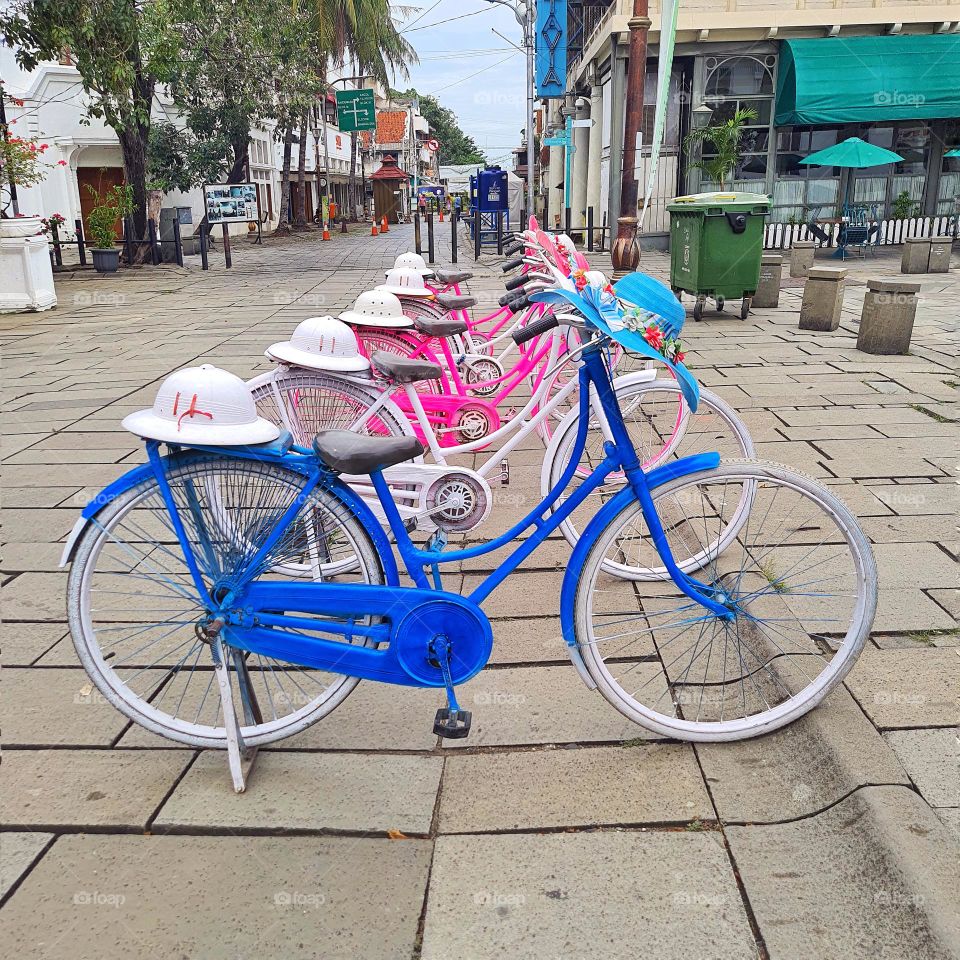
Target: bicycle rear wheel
[[799, 578], [133, 607]]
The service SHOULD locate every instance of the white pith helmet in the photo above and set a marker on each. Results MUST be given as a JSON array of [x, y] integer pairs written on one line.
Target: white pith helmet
[[564, 241], [321, 343], [412, 261], [405, 282], [376, 308], [204, 406], [596, 278]]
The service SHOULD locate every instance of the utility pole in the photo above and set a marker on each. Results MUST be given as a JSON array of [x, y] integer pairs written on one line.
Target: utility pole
[[625, 254]]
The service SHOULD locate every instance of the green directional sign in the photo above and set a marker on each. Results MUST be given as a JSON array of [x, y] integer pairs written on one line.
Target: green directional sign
[[356, 110]]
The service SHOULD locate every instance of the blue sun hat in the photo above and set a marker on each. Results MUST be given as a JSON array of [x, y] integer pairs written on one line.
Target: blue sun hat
[[641, 328]]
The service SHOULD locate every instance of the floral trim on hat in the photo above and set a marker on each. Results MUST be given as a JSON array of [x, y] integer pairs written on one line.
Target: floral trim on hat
[[648, 326], [581, 283]]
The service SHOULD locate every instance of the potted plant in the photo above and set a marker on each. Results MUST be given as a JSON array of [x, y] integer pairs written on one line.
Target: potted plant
[[722, 143], [117, 202]]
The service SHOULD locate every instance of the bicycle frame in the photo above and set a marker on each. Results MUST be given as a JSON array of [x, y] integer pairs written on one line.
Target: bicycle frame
[[247, 609]]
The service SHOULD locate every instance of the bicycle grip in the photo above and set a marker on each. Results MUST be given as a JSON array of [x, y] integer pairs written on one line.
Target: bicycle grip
[[506, 299], [512, 264], [534, 329], [515, 282], [518, 303], [513, 249]]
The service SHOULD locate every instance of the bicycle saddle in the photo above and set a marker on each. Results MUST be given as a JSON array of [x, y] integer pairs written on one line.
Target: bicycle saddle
[[404, 369], [439, 326], [453, 301], [348, 452], [448, 277]]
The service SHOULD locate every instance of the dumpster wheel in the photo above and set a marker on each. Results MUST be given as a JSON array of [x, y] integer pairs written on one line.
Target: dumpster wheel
[[721, 303], [698, 307], [745, 307]]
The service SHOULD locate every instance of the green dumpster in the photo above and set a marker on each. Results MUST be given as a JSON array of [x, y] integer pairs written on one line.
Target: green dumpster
[[716, 242]]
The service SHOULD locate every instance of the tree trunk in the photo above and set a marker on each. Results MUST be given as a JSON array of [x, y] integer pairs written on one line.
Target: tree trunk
[[133, 145], [238, 170], [300, 215], [283, 225]]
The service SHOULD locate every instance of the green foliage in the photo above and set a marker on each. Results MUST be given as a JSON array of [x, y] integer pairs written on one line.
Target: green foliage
[[178, 159], [721, 143], [109, 207], [455, 145], [904, 207]]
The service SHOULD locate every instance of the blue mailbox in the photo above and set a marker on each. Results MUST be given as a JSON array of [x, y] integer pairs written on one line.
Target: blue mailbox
[[489, 203]]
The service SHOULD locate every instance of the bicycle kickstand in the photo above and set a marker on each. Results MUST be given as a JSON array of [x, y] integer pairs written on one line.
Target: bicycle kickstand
[[239, 757]]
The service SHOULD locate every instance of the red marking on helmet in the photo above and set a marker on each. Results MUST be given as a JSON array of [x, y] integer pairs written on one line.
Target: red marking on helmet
[[193, 411], [175, 402]]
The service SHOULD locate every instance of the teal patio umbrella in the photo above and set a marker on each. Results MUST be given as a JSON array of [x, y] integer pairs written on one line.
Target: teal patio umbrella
[[854, 153], [953, 153]]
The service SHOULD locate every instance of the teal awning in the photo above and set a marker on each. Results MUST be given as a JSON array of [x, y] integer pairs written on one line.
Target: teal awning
[[863, 79]]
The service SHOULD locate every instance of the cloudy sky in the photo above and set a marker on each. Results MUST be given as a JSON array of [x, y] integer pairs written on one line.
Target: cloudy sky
[[470, 69]]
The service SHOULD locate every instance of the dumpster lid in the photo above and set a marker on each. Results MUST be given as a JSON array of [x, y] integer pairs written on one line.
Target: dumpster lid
[[724, 200]]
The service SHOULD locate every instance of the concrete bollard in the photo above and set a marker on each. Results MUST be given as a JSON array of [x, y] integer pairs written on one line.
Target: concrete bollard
[[886, 323], [801, 257], [768, 290], [940, 250], [822, 298], [916, 255]]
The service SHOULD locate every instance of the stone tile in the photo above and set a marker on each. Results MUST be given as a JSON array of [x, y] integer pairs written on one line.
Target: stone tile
[[528, 640], [25, 642], [527, 705], [17, 854], [649, 784], [873, 876], [801, 768], [950, 817], [929, 566], [88, 788], [932, 758], [35, 596], [112, 898], [909, 609], [606, 896], [58, 707], [308, 791], [907, 688], [512, 598]]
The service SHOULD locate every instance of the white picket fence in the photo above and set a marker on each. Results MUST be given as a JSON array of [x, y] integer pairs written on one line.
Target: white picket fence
[[780, 236]]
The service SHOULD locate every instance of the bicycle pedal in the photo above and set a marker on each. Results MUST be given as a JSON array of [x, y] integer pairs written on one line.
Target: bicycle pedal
[[452, 724]]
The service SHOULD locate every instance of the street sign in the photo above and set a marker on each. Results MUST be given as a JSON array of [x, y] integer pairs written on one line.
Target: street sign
[[433, 145], [356, 110]]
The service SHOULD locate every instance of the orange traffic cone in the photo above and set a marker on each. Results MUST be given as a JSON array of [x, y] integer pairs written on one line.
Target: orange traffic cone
[[383, 226], [441, 216], [326, 232], [373, 229]]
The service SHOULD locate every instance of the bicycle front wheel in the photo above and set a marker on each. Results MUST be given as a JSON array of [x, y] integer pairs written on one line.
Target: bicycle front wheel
[[133, 607], [799, 579]]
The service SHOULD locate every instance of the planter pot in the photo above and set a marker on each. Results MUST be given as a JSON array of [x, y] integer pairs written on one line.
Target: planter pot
[[105, 261], [20, 227], [27, 276]]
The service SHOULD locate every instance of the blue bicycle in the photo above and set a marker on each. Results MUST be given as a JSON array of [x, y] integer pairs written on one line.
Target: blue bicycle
[[230, 596]]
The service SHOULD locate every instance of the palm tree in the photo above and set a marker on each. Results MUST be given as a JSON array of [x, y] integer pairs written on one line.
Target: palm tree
[[722, 141], [365, 32]]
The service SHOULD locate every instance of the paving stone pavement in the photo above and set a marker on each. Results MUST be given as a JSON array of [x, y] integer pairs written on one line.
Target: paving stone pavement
[[559, 830]]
